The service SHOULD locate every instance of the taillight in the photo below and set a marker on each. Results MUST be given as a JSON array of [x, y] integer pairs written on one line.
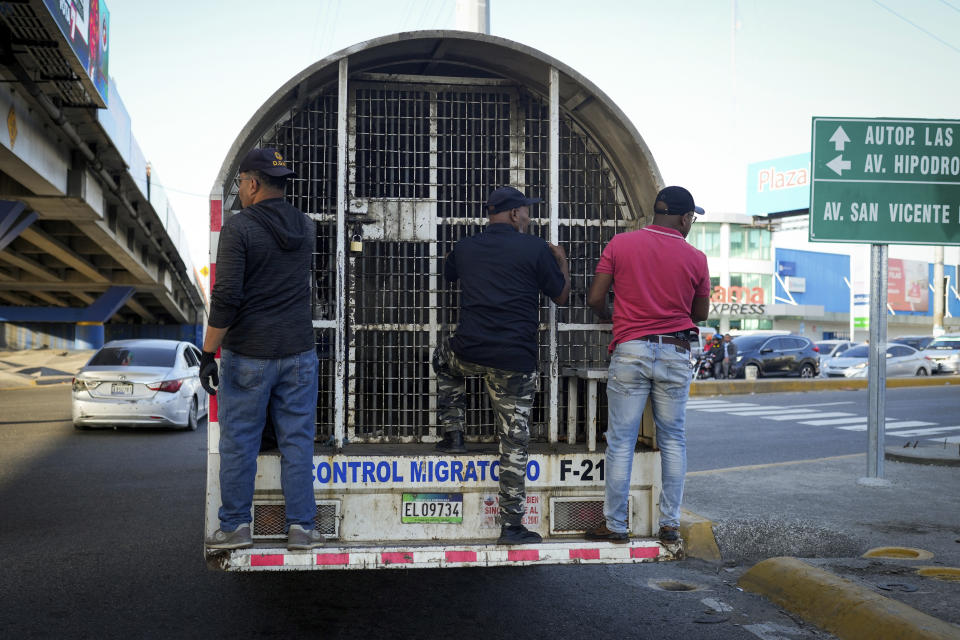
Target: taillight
[[816, 348], [170, 386], [78, 385]]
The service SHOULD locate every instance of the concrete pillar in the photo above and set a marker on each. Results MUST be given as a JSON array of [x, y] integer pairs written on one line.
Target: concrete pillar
[[89, 335]]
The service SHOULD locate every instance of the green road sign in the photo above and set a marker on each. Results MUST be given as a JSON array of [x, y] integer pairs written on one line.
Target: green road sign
[[885, 181]]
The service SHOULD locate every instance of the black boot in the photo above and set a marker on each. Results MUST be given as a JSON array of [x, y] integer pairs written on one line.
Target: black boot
[[518, 534], [452, 443]]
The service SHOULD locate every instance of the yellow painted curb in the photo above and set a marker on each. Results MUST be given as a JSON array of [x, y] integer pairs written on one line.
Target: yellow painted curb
[[698, 539], [843, 608]]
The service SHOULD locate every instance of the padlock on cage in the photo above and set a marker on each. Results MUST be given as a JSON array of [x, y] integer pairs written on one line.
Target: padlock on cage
[[356, 243]]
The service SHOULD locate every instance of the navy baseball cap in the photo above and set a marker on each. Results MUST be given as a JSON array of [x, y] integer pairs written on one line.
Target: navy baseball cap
[[507, 198], [267, 161], [676, 201]]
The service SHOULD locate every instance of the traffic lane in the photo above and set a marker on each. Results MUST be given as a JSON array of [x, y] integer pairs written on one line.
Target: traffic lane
[[102, 532], [737, 430]]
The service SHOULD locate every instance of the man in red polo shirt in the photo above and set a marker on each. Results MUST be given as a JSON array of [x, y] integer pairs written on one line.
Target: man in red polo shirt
[[661, 290]]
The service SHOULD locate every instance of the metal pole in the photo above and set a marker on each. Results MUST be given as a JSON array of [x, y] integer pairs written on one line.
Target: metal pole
[[554, 427], [853, 321], [877, 364], [938, 293], [339, 406]]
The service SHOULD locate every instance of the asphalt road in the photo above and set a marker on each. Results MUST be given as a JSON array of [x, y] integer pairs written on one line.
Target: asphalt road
[[101, 536], [731, 431]]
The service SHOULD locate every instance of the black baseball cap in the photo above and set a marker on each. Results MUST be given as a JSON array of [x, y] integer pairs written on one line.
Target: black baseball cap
[[267, 161], [677, 201], [507, 198]]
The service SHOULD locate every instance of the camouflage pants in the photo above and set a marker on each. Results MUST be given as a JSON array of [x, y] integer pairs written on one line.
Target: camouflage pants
[[511, 396]]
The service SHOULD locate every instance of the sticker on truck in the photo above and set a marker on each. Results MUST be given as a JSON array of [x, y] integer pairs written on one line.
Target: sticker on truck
[[419, 508]]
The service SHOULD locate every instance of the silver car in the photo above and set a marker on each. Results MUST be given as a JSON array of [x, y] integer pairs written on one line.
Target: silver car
[[140, 383], [901, 361], [944, 352]]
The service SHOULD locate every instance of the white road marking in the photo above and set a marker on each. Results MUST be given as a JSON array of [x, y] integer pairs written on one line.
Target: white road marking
[[909, 433], [892, 425], [950, 440], [836, 421], [772, 631], [725, 405], [823, 404], [835, 414], [776, 412], [717, 605]]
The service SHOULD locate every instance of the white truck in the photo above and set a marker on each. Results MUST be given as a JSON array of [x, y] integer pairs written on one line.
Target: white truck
[[396, 143]]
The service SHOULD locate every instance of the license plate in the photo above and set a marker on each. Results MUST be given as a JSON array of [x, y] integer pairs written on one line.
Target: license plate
[[432, 508], [121, 389]]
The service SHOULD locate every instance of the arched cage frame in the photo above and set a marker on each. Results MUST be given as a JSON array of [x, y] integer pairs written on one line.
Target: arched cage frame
[[396, 144]]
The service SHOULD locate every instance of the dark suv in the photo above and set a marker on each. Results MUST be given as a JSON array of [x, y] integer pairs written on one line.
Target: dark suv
[[777, 356]]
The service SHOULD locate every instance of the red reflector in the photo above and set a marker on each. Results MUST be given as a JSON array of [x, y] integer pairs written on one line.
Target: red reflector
[[523, 555], [461, 556], [396, 557], [644, 552], [333, 558], [585, 554], [272, 560], [170, 386]]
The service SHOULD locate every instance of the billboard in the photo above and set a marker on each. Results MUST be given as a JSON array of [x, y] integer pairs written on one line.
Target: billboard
[[907, 285], [781, 184], [86, 26]]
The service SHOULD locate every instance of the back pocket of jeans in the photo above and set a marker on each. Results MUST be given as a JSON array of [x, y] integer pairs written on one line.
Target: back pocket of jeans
[[247, 373]]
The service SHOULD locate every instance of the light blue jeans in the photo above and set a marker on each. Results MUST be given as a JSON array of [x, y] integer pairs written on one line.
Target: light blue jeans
[[638, 370], [288, 386]]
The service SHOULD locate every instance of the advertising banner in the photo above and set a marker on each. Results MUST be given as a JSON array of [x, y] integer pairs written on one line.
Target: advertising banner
[[907, 285], [781, 184], [86, 26]]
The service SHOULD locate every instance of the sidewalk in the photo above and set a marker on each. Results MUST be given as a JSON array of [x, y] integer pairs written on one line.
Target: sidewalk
[[40, 366], [821, 512]]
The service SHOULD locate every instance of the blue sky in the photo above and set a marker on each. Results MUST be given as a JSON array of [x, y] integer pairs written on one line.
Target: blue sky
[[711, 85]]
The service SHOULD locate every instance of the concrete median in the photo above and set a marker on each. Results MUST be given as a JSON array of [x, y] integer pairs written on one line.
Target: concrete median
[[786, 385]]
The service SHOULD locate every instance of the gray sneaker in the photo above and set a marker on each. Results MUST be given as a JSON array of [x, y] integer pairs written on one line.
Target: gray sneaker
[[301, 539], [239, 538]]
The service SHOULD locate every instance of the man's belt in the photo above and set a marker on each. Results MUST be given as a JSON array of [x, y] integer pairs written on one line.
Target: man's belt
[[661, 338]]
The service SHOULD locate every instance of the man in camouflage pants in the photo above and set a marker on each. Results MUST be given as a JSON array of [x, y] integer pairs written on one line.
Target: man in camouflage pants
[[501, 273]]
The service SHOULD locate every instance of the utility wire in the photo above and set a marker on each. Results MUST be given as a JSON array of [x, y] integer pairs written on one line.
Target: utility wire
[[950, 5], [916, 26]]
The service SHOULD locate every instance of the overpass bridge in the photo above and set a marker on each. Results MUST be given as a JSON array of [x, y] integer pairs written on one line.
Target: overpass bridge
[[87, 239]]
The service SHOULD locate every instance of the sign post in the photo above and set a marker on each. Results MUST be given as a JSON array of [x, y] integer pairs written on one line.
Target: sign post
[[882, 181]]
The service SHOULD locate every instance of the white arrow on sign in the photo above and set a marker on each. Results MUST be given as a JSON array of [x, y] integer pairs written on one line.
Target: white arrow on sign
[[838, 164], [839, 138]]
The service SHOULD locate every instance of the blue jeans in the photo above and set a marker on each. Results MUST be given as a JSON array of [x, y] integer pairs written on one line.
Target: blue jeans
[[248, 386], [638, 370]]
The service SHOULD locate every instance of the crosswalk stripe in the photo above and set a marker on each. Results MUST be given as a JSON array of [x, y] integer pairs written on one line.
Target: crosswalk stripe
[[721, 405], [834, 414], [775, 412], [892, 425], [925, 432], [835, 421]]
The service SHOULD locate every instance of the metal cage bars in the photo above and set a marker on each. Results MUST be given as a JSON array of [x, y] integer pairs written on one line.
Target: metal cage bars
[[419, 160]]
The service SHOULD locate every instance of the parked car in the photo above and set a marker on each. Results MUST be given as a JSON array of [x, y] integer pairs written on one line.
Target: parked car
[[832, 348], [944, 352], [901, 361], [140, 383], [917, 342], [778, 355]]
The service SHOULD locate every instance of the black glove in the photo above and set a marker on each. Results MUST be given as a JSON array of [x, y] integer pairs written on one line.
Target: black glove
[[209, 372]]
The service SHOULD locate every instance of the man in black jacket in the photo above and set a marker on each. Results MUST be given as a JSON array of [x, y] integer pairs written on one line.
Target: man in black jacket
[[260, 314]]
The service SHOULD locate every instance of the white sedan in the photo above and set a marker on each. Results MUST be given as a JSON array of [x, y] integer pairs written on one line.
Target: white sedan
[[901, 361], [140, 383]]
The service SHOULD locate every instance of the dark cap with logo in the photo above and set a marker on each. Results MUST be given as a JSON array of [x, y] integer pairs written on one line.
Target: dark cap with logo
[[267, 161], [675, 201], [507, 198]]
